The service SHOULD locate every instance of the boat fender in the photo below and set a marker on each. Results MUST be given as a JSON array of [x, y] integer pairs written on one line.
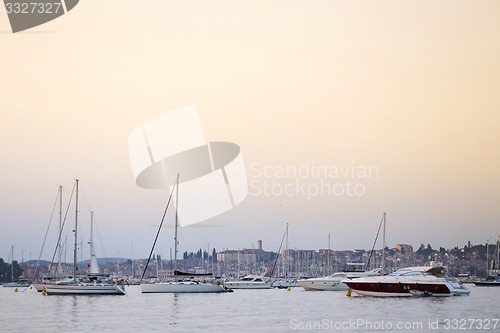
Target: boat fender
[[348, 293]]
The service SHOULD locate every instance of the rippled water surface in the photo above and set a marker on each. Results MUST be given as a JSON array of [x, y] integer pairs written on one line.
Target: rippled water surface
[[271, 310]]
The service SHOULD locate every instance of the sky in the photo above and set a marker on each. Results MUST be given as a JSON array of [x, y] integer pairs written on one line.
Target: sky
[[343, 110]]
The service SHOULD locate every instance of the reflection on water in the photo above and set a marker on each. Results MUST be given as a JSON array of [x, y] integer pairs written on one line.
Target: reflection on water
[[271, 310], [175, 310]]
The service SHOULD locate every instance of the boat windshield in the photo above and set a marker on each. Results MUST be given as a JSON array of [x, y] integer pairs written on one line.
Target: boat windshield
[[405, 272], [338, 275]]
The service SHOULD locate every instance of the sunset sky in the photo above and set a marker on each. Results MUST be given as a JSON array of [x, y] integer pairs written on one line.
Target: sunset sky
[[398, 98]]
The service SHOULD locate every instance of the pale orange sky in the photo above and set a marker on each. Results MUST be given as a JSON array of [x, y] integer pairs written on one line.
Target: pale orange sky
[[409, 87]]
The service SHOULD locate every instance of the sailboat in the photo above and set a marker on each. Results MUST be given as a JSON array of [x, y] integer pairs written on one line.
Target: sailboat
[[492, 278], [183, 282], [58, 275], [286, 281], [90, 285]]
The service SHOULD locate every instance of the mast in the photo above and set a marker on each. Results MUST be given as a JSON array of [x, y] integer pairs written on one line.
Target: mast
[[59, 249], [12, 265], [487, 259], [383, 246], [76, 232], [328, 257], [238, 262], [176, 222], [132, 260], [498, 255], [286, 253], [94, 265]]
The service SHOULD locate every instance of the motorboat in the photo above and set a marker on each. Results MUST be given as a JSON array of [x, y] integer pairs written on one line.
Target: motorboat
[[411, 281], [335, 281], [182, 287], [251, 281], [285, 283]]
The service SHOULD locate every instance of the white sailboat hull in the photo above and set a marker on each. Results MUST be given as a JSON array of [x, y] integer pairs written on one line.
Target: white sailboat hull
[[85, 289], [181, 287]]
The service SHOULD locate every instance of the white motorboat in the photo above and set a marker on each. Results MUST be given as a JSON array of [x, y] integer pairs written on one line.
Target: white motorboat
[[251, 281], [285, 283], [182, 287], [411, 281], [335, 281]]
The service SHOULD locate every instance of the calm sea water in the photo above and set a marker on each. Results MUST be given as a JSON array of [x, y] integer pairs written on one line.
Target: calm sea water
[[271, 310]]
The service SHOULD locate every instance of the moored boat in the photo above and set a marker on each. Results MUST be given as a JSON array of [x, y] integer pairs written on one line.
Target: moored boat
[[490, 281], [21, 283], [251, 281], [487, 283], [85, 288], [285, 283], [94, 283], [411, 281], [182, 282], [182, 287], [335, 281]]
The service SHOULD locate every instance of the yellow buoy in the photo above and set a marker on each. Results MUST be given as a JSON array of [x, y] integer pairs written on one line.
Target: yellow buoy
[[15, 290], [44, 292], [348, 292], [31, 287], [288, 289]]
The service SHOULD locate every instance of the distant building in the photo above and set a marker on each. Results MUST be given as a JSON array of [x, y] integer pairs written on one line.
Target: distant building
[[246, 255], [404, 248]]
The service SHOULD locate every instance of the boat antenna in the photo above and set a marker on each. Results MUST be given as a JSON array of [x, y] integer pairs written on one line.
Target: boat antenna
[[158, 232]]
